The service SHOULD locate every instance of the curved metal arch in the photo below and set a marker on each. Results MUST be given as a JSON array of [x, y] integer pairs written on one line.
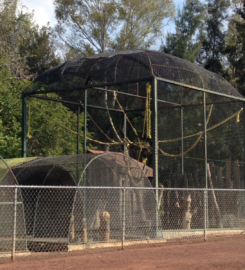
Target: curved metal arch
[[20, 194], [104, 154]]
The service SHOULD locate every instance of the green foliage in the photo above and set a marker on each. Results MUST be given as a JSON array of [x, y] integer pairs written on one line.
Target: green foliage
[[187, 41], [39, 50], [212, 57], [52, 129], [100, 25], [235, 47], [10, 115], [141, 23]]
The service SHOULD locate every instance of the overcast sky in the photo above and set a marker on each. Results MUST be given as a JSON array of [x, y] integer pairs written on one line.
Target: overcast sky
[[44, 10]]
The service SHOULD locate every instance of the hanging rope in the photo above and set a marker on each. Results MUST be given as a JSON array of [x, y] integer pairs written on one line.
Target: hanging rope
[[208, 129], [147, 119], [185, 152], [199, 133], [194, 144], [97, 124], [111, 121]]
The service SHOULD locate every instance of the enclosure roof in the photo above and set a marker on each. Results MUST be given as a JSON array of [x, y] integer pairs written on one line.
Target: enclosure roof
[[131, 65], [10, 163], [120, 160]]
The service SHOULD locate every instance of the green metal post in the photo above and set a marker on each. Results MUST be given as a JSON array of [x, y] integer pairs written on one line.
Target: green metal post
[[85, 121], [24, 125], [154, 132], [243, 167], [125, 133], [182, 141], [154, 122], [205, 138], [205, 167], [78, 129]]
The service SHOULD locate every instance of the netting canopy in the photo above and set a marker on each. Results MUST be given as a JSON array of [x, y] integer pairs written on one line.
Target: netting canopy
[[131, 65]]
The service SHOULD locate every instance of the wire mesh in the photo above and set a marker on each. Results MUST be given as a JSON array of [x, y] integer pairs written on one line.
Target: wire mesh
[[131, 65], [55, 219]]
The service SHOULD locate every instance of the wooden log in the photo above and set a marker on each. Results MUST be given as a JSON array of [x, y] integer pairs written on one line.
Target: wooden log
[[187, 213], [213, 174], [236, 175], [228, 173], [196, 176], [104, 232], [160, 196], [72, 228], [84, 235], [220, 181], [219, 219], [185, 180], [190, 180]]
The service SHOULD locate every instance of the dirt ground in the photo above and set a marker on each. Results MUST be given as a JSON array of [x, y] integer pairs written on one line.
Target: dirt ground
[[217, 254]]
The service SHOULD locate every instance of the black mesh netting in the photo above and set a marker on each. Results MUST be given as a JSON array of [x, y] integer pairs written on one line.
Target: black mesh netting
[[131, 65]]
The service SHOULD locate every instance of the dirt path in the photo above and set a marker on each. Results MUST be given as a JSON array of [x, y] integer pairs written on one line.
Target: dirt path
[[220, 254]]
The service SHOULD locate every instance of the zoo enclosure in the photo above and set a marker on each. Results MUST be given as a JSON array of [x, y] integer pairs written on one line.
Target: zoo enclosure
[[180, 215], [155, 107]]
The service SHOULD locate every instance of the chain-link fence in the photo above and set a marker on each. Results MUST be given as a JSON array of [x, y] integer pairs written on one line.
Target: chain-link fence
[[54, 219]]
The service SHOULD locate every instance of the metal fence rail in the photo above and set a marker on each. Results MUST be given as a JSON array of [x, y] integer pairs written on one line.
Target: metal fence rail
[[51, 218]]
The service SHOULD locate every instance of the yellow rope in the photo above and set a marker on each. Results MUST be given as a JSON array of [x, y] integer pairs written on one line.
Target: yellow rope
[[97, 125], [224, 121], [208, 129], [185, 152], [111, 121], [133, 128], [141, 144], [109, 144], [120, 106], [201, 133]]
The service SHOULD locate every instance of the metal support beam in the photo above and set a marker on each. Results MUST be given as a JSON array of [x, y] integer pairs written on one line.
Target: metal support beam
[[243, 150], [206, 220], [125, 150], [78, 129], [24, 126], [205, 138], [154, 132], [85, 121], [182, 141]]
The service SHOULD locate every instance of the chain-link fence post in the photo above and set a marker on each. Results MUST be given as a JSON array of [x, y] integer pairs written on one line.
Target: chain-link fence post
[[205, 204], [14, 223], [123, 217]]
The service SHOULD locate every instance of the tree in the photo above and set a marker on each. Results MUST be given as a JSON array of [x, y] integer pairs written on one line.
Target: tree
[[235, 47], [187, 41], [10, 114], [141, 23], [100, 25], [52, 129], [212, 57], [13, 27], [39, 49]]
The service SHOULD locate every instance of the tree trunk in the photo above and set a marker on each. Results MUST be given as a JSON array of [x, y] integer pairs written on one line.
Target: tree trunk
[[220, 224]]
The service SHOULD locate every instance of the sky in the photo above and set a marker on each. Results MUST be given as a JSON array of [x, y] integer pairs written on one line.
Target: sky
[[44, 10]]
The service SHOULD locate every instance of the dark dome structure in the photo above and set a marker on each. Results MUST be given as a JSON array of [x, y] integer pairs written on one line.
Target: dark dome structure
[[132, 65]]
